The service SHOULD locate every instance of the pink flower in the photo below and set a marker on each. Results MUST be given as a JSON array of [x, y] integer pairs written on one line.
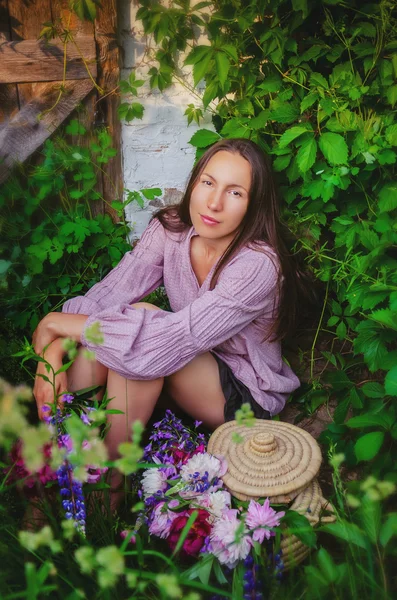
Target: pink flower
[[260, 518], [125, 533], [17, 470], [229, 539], [162, 520], [197, 535]]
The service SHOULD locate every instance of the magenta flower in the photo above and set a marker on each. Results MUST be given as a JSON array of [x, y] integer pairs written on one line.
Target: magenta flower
[[261, 519], [131, 537]]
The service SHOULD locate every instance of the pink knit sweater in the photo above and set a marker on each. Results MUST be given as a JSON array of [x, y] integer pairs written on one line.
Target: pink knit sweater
[[231, 320]]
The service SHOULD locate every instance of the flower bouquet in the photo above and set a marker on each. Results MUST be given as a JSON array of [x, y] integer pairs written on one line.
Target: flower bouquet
[[187, 505]]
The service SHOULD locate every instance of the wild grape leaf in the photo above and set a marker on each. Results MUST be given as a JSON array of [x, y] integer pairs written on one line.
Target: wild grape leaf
[[309, 100], [334, 148], [222, 63], [386, 317], [307, 154], [291, 134], [370, 344], [203, 138], [388, 197], [282, 162], [391, 382]]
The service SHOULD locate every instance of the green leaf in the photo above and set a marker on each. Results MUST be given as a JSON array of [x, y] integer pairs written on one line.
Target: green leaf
[[222, 63], [368, 446], [368, 420], [391, 135], [299, 525], [231, 51], [200, 68], [318, 80], [389, 529], [391, 94], [341, 330], [197, 54], [286, 113], [300, 5], [391, 382], [282, 162], [388, 197], [334, 148], [307, 154], [291, 134], [151, 193], [349, 532], [203, 138], [327, 566], [369, 514], [272, 84], [85, 9], [373, 390], [386, 317], [309, 100]]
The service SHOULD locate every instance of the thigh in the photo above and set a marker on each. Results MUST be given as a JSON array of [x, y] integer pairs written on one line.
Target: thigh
[[197, 389]]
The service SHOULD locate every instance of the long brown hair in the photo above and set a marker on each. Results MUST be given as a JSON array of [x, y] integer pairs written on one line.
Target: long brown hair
[[262, 222]]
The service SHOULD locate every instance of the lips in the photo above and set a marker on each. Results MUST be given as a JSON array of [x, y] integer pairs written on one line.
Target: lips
[[209, 220]]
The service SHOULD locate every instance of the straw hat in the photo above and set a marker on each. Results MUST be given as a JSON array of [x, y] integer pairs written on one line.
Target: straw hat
[[274, 460]]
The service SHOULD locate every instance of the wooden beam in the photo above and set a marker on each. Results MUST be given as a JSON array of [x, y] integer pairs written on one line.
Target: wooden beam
[[8, 93], [34, 60], [25, 133], [108, 56], [26, 19]]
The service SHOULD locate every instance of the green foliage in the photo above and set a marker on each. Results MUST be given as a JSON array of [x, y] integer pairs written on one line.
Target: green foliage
[[135, 110], [314, 83], [52, 244]]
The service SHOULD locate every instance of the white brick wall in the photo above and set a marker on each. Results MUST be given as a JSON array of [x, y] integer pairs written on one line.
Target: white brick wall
[[156, 152]]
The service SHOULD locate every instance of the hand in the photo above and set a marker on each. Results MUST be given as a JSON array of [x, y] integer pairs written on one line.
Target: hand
[[43, 391]]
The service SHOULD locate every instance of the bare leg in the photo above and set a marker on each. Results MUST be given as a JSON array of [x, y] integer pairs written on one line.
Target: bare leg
[[197, 389]]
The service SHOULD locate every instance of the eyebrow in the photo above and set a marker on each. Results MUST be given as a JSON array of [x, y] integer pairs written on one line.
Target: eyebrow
[[230, 184]]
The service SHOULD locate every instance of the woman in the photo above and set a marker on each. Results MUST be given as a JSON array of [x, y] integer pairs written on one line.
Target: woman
[[233, 289]]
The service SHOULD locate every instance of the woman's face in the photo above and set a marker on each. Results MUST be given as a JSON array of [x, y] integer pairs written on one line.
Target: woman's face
[[219, 200]]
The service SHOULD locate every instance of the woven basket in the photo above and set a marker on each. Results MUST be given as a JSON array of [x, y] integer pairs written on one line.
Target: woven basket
[[278, 461]]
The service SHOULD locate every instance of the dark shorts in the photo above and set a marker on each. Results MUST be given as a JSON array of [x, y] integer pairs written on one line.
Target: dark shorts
[[236, 393]]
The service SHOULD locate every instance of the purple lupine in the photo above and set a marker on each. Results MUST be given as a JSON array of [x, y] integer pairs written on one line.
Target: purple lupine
[[252, 585], [73, 499]]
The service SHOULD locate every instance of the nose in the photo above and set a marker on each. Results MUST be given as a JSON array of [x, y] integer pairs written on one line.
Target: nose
[[215, 200]]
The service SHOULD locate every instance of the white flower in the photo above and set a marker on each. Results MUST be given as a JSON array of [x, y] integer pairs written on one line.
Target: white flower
[[202, 474], [154, 480], [214, 502]]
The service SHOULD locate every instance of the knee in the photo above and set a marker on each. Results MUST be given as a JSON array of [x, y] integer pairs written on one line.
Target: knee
[[145, 305]]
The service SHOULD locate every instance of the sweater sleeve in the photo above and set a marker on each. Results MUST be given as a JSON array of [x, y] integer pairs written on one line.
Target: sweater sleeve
[[138, 273], [143, 345]]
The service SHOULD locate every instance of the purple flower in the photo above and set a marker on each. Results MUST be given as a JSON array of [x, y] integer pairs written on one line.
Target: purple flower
[[197, 423], [72, 492], [261, 519], [67, 398], [162, 520], [85, 419], [45, 408]]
